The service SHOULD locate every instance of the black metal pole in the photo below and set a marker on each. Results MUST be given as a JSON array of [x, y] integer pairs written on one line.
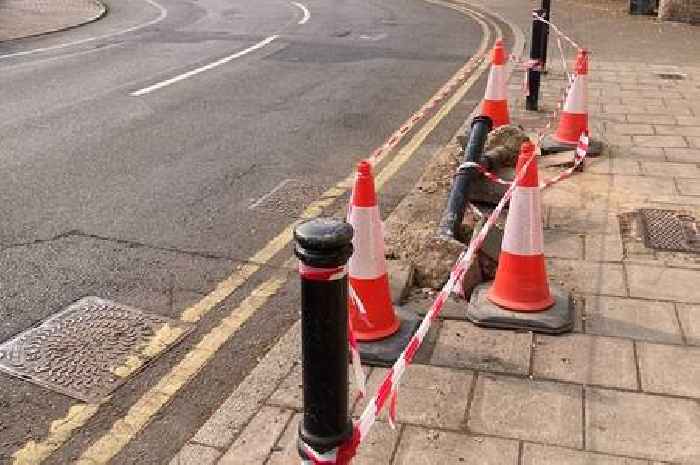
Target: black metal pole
[[459, 194], [325, 245], [547, 7], [533, 73]]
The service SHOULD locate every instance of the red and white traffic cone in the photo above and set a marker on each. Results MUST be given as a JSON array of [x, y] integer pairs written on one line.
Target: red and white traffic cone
[[495, 103], [521, 297], [382, 335]]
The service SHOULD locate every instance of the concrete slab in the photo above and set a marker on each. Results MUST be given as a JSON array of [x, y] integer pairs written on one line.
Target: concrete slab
[[539, 411], [689, 316], [663, 283], [429, 447], [539, 454], [643, 425], [604, 248], [463, 345], [689, 187], [560, 244], [289, 393], [637, 319], [196, 454], [588, 277], [669, 369], [584, 359], [428, 396], [257, 440]]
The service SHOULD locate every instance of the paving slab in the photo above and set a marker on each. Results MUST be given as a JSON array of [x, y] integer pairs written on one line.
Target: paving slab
[[257, 440], [430, 447], [689, 316], [604, 248], [289, 393], [428, 396], [539, 411], [663, 283], [642, 186], [589, 277], [577, 220], [539, 454], [196, 454], [636, 319], [669, 369], [688, 187], [377, 449], [463, 345], [683, 155], [584, 359], [668, 169], [560, 244], [643, 425]]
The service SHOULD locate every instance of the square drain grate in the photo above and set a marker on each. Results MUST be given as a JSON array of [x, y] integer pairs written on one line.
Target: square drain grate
[[669, 230], [89, 349]]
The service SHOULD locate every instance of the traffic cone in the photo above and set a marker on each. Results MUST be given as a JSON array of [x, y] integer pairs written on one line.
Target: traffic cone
[[521, 297], [574, 115], [381, 333], [495, 103]]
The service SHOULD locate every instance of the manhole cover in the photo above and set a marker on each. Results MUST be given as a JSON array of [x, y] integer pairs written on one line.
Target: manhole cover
[[671, 76], [669, 230], [90, 348], [290, 197]]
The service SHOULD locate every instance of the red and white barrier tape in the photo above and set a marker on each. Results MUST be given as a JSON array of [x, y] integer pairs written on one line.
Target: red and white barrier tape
[[556, 29]]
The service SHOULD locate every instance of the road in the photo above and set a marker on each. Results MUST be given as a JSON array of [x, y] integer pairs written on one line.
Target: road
[[153, 153]]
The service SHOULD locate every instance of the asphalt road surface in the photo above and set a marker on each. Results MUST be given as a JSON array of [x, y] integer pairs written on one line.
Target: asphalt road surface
[[149, 155]]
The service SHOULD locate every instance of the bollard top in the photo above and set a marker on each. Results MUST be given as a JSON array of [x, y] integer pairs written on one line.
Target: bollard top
[[483, 119], [323, 242]]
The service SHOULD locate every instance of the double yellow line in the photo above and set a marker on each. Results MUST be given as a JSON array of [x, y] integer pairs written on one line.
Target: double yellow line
[[124, 429]]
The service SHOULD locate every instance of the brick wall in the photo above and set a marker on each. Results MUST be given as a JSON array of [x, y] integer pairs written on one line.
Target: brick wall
[[680, 10]]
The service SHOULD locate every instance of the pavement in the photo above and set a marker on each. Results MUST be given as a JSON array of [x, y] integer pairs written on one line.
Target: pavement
[[624, 386], [26, 18]]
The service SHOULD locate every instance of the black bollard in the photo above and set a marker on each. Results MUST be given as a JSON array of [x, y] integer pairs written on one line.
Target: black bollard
[[547, 7], [533, 73], [459, 194], [324, 246]]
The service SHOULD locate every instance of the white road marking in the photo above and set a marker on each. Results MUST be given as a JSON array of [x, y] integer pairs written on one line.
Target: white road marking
[[279, 186], [307, 14], [201, 69], [163, 14]]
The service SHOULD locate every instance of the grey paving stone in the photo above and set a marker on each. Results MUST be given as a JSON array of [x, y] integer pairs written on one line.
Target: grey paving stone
[[428, 396], [604, 248], [668, 169], [377, 449], [683, 155], [688, 187], [539, 411], [577, 220], [429, 447], [613, 166], [663, 283], [636, 319], [630, 129], [538, 454], [588, 277], [689, 316], [559, 244], [289, 393], [643, 425], [669, 369], [585, 359], [195, 454], [257, 440], [463, 345], [642, 186]]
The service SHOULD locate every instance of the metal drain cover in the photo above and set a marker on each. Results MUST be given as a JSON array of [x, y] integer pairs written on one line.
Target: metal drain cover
[[89, 349], [669, 230]]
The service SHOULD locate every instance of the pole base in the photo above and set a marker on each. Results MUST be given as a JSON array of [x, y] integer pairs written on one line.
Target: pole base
[[385, 352], [551, 145], [557, 319]]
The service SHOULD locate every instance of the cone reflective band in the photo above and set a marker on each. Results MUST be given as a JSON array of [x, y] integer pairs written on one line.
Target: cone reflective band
[[495, 103], [521, 278], [574, 116], [367, 268]]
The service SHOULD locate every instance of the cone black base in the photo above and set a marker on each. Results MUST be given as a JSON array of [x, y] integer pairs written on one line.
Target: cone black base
[[557, 319], [550, 145], [384, 352]]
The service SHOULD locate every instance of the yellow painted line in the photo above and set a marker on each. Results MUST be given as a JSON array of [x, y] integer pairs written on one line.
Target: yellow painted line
[[139, 415]]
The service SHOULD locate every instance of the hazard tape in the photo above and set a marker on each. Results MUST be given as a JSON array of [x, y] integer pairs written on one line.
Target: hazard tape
[[555, 29]]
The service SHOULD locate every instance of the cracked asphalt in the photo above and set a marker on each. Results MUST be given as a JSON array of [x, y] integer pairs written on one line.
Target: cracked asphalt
[[146, 200]]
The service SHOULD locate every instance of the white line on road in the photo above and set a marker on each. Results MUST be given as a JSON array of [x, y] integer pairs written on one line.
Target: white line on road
[[163, 14], [279, 186], [304, 10], [194, 72]]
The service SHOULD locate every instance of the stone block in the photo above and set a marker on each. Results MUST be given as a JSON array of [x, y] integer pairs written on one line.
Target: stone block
[[629, 129], [689, 316], [463, 345], [430, 447], [560, 244], [683, 155], [642, 186], [258, 439], [196, 454], [428, 396], [694, 142], [588, 277], [579, 220], [631, 318], [643, 425], [650, 282], [667, 169], [659, 141], [651, 118], [584, 359], [537, 411], [613, 166], [669, 369], [604, 248], [693, 131], [689, 187], [539, 454]]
